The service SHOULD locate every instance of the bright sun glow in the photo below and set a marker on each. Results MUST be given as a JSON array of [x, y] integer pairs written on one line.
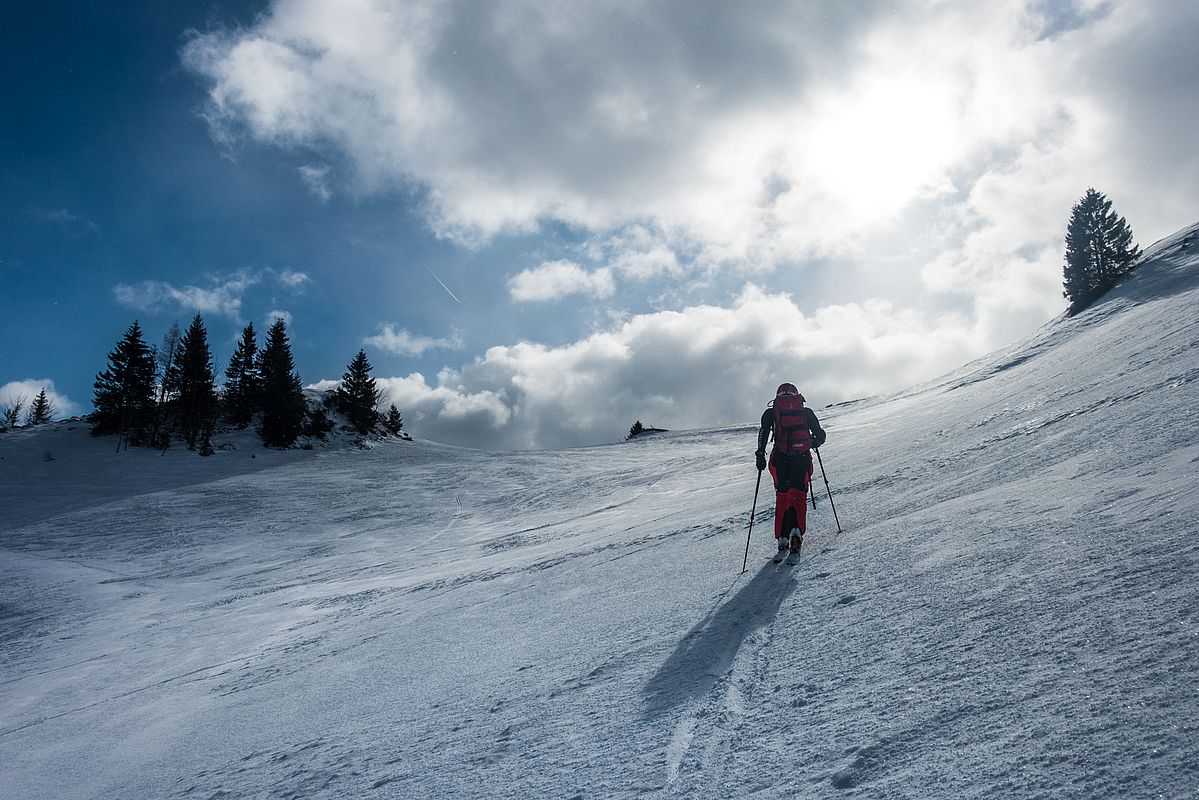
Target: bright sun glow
[[875, 149]]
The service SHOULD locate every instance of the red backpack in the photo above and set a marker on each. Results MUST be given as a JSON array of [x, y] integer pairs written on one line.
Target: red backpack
[[791, 433]]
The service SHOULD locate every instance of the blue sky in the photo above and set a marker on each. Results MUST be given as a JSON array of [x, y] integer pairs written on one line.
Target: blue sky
[[653, 212]]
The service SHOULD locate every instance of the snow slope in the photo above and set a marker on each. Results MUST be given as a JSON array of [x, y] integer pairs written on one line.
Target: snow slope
[[1011, 610]]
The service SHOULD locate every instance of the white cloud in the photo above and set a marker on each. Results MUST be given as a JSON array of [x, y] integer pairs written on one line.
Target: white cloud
[[275, 314], [399, 341], [636, 252], [552, 280], [655, 260], [704, 365], [28, 389], [293, 279], [224, 297], [65, 218], [746, 137], [317, 181]]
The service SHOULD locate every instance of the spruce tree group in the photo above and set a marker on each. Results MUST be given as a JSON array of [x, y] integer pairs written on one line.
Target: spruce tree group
[[124, 391], [153, 395], [283, 406], [149, 395], [1099, 251]]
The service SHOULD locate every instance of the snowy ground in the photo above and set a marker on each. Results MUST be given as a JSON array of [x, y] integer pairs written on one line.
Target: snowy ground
[[1012, 610]]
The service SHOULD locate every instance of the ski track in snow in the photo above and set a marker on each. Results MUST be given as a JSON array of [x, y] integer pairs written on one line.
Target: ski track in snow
[[1010, 612]]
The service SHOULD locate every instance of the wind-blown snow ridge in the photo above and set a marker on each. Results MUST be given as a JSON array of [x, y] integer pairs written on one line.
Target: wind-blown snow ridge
[[1010, 611]]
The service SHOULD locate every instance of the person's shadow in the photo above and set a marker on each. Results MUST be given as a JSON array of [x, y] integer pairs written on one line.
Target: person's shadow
[[707, 651]]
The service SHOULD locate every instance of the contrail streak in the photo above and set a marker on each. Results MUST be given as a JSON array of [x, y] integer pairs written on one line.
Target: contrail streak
[[443, 286]]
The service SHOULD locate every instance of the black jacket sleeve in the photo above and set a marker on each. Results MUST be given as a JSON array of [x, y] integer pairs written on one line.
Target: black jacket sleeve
[[766, 429], [818, 434]]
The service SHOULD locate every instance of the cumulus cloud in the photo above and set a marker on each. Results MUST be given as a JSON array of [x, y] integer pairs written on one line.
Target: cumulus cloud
[[399, 341], [752, 136], [654, 260], [555, 279], [703, 365], [28, 389], [518, 112], [635, 254]]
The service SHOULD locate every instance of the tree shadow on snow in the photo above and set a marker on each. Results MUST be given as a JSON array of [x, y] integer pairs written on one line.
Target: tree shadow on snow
[[706, 653]]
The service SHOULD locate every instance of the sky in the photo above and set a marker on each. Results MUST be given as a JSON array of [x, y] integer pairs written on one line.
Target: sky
[[545, 220]]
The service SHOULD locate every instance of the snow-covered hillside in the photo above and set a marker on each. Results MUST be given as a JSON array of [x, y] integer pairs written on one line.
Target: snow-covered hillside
[[1012, 610]]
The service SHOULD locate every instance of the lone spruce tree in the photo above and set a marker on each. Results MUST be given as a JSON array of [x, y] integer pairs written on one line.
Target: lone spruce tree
[[1099, 251], [394, 421], [358, 396], [197, 395], [124, 392], [42, 410], [283, 406], [242, 381]]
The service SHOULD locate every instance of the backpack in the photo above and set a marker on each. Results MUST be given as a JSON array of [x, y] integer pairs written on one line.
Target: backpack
[[792, 437]]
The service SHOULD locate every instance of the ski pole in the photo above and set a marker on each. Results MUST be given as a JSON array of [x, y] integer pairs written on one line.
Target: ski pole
[[827, 489], [811, 488], [753, 511]]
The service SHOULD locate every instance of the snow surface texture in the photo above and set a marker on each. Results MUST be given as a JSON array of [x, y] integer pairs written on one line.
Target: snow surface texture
[[1010, 612]]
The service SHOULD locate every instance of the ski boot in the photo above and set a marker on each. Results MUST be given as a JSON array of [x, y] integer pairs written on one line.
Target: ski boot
[[794, 546], [783, 548]]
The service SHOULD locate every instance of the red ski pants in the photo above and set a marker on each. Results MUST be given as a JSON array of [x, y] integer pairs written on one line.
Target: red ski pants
[[792, 476]]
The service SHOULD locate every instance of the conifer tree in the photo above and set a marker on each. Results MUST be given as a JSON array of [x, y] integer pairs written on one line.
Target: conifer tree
[[197, 395], [283, 407], [124, 391], [10, 412], [241, 393], [42, 410], [358, 396], [393, 422], [167, 358], [636, 429], [168, 363], [318, 424], [1099, 251]]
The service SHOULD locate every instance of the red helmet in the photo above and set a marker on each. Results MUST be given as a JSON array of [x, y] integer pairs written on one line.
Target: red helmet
[[786, 390]]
